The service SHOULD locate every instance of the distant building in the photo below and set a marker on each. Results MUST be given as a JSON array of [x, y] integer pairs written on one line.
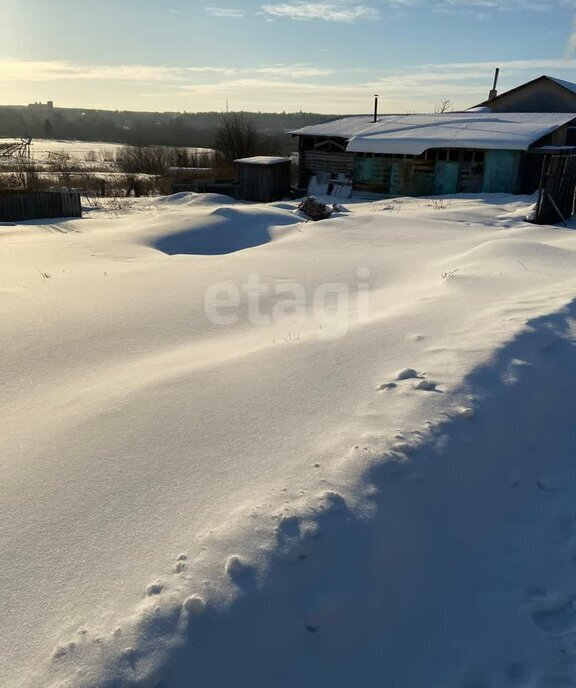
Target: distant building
[[544, 94], [42, 107]]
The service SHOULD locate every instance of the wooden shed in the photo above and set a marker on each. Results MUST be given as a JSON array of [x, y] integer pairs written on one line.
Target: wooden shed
[[423, 155], [263, 178], [19, 206]]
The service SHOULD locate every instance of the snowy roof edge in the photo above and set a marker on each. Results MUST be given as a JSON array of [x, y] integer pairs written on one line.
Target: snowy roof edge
[[262, 160], [364, 125]]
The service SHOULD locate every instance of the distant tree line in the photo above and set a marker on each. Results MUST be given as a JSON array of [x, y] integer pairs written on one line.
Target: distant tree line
[[147, 169], [144, 128], [236, 137]]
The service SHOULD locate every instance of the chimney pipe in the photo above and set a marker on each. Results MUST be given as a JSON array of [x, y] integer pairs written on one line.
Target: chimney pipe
[[494, 93], [375, 108]]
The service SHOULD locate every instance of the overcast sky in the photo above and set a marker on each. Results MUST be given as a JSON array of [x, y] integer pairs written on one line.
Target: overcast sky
[[328, 56]]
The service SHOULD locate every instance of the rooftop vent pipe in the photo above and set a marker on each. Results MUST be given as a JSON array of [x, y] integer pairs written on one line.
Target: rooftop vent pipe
[[375, 108], [494, 93]]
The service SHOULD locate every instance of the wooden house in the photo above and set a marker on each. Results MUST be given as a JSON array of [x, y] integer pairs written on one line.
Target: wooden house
[[418, 155], [544, 94]]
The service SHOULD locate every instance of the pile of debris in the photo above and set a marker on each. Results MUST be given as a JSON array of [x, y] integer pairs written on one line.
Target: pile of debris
[[315, 210]]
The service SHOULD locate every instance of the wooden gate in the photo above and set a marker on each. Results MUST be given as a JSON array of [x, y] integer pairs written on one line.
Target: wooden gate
[[557, 185]]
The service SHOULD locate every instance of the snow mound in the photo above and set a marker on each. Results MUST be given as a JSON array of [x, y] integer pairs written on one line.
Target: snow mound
[[227, 230], [185, 198]]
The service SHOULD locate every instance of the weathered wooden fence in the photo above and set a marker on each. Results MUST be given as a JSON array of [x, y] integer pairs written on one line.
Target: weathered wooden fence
[[557, 186], [18, 206]]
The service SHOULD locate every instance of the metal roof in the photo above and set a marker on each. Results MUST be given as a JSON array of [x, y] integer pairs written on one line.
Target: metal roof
[[414, 134]]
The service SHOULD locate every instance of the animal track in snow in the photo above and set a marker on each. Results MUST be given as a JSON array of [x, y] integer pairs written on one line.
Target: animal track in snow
[[407, 374], [236, 568], [402, 447], [181, 563], [155, 588], [401, 376], [194, 605], [466, 412], [427, 386], [63, 650]]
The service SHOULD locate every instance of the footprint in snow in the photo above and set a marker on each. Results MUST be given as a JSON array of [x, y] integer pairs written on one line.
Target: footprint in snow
[[466, 413], [240, 572], [194, 605], [63, 650], [427, 386], [129, 654], [154, 588], [407, 374], [401, 376], [180, 564]]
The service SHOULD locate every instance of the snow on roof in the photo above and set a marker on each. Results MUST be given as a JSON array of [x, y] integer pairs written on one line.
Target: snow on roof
[[262, 160], [342, 128], [414, 134]]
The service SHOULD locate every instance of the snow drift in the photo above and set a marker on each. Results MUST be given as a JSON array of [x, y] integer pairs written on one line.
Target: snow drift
[[187, 503]]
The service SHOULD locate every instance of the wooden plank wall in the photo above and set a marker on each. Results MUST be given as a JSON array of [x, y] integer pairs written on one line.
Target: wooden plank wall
[[557, 189], [400, 175], [19, 206], [322, 161], [264, 183]]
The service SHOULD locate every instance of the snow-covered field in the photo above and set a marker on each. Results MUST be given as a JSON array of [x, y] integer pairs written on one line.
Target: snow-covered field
[[94, 153], [42, 148], [214, 475]]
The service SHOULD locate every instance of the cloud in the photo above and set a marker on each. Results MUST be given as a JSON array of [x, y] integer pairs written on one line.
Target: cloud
[[332, 10], [474, 5], [347, 11], [223, 12], [508, 66], [56, 70], [293, 71], [570, 48], [273, 87]]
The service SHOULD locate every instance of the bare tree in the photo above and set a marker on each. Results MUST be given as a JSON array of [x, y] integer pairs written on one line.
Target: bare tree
[[153, 160], [63, 164], [444, 106], [25, 177], [238, 137]]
